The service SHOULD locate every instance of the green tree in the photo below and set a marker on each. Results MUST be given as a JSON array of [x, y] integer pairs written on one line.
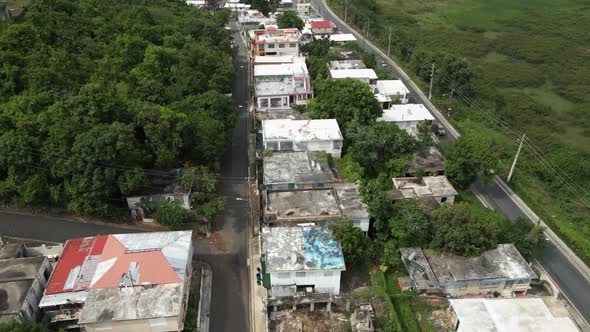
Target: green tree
[[373, 146], [457, 229], [409, 225], [14, 326], [353, 240], [170, 213], [289, 19], [470, 156], [344, 100]]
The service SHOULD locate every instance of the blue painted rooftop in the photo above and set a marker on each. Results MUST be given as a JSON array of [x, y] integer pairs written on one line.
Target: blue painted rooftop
[[301, 248]]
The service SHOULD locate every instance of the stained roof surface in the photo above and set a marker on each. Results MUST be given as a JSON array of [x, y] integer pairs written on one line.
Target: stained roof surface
[[301, 249]]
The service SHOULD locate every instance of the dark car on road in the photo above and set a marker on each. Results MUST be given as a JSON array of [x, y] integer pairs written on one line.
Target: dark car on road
[[438, 129]]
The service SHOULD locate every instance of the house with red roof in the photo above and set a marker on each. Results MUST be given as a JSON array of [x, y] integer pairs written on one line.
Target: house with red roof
[[323, 27], [121, 282]]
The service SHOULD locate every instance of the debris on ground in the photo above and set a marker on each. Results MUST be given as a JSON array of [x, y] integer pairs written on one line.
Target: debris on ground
[[309, 321]]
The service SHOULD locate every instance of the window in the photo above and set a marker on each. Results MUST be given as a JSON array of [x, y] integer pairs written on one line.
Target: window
[[261, 47], [46, 274], [284, 275], [271, 45], [337, 145], [273, 146], [263, 102], [281, 45], [291, 185], [328, 274], [488, 284], [300, 274], [276, 102], [508, 284], [443, 199], [285, 101], [292, 45], [269, 187], [287, 145]]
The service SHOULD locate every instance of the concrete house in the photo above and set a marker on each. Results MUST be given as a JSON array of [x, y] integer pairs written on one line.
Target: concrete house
[[502, 270], [437, 187], [279, 86], [346, 64], [407, 117], [323, 27], [274, 41], [320, 207], [302, 135], [22, 282], [427, 161], [121, 282], [364, 75], [252, 17], [303, 8], [296, 170], [389, 92], [510, 315], [301, 260]]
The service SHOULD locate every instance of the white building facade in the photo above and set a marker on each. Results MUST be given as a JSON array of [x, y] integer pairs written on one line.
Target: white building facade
[[302, 135], [407, 117]]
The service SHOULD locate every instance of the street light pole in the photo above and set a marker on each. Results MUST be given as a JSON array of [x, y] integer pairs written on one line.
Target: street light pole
[[431, 79], [389, 44], [515, 159]]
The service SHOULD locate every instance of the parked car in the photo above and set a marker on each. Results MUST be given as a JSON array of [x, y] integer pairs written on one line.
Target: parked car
[[438, 129], [383, 63]]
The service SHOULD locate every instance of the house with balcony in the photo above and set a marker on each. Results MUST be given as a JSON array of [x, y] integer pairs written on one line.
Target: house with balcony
[[502, 271], [302, 135], [301, 261], [274, 41], [389, 92], [282, 85], [407, 117]]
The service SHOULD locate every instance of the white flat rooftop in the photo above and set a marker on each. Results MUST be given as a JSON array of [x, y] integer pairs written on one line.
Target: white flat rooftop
[[406, 112], [353, 73], [276, 59], [301, 130], [281, 69], [508, 315], [392, 87]]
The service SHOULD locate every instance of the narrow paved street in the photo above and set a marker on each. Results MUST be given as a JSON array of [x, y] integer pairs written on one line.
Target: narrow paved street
[[572, 282], [228, 253]]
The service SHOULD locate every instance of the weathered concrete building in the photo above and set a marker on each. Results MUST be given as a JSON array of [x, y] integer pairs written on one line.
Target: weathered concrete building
[[502, 270], [437, 187], [302, 260], [318, 206], [296, 170], [427, 161], [302, 135]]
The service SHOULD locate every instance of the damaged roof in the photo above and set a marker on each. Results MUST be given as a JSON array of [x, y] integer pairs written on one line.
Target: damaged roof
[[427, 159], [415, 187], [502, 263], [301, 249], [301, 130], [296, 167]]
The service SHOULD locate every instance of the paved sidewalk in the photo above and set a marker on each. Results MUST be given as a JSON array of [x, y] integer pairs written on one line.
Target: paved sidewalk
[[258, 293]]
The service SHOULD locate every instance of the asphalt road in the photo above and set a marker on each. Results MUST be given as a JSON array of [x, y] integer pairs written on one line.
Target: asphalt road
[[573, 283]]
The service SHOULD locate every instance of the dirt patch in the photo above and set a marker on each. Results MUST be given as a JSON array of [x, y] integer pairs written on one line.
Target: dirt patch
[[216, 241], [306, 321]]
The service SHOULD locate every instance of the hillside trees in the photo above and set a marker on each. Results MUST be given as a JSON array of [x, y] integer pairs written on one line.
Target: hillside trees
[[289, 19], [95, 93]]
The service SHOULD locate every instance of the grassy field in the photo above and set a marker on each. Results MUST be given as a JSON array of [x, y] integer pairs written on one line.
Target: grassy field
[[532, 62]]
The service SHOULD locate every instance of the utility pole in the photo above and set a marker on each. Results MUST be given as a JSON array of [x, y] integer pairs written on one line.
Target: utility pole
[[515, 159], [451, 99], [389, 44], [345, 10], [431, 80]]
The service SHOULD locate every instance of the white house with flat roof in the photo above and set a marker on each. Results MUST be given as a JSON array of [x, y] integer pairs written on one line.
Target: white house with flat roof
[[390, 92], [407, 116], [301, 260], [279, 86], [302, 135], [365, 75], [510, 315], [274, 41], [437, 187]]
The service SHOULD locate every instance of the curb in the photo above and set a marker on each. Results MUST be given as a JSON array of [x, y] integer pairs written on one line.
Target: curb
[[205, 297]]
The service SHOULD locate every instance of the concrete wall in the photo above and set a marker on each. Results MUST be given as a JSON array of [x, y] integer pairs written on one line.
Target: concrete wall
[[448, 200], [140, 325], [332, 147], [503, 287], [30, 309], [323, 281]]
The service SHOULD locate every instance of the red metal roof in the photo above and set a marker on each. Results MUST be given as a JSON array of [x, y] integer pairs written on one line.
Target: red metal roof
[[99, 262], [322, 24]]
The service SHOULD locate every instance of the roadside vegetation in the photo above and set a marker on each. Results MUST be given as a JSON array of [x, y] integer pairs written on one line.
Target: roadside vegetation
[[96, 97], [511, 75]]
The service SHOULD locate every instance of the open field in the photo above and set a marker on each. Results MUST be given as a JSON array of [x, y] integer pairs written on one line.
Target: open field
[[531, 61]]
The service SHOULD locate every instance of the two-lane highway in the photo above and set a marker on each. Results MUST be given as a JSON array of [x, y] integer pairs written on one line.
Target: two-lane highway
[[573, 283]]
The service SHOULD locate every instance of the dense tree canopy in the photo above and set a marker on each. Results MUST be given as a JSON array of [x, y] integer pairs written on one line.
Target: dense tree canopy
[[344, 100], [469, 157], [353, 241], [457, 229], [289, 19], [93, 92]]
